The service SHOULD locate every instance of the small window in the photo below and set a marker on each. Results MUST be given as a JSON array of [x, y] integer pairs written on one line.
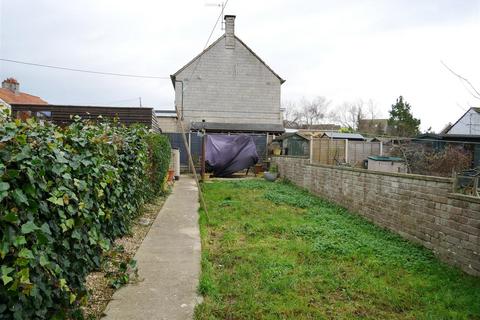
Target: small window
[[43, 114]]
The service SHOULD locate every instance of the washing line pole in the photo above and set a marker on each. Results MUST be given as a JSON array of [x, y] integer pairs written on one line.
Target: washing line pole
[[190, 160], [189, 154], [180, 117]]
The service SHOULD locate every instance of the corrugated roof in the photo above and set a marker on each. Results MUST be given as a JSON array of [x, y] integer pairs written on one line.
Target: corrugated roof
[[340, 135], [238, 127], [11, 97]]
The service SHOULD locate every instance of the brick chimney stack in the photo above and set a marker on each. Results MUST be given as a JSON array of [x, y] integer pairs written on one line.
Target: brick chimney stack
[[229, 32], [11, 84]]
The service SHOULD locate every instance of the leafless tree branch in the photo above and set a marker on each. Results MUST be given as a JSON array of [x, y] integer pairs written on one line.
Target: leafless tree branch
[[475, 93]]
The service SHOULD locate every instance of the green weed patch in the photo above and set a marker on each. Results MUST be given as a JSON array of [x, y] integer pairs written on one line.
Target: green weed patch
[[274, 251]]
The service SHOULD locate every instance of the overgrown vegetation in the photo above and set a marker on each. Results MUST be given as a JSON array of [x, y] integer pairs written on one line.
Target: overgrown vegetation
[[434, 159], [273, 251], [65, 195]]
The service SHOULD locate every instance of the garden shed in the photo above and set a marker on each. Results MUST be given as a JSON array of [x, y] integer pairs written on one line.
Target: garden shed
[[387, 164], [294, 144]]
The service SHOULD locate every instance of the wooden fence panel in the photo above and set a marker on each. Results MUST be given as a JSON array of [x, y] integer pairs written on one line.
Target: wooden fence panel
[[358, 151], [332, 152], [328, 151]]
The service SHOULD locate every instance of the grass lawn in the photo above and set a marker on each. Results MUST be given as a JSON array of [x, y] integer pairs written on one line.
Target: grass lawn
[[273, 251]]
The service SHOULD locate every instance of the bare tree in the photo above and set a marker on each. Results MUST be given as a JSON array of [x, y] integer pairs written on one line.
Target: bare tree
[[313, 111], [465, 82], [348, 114], [307, 113], [291, 116], [372, 111]]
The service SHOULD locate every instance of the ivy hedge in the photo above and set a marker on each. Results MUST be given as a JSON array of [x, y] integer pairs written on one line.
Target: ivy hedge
[[65, 195]]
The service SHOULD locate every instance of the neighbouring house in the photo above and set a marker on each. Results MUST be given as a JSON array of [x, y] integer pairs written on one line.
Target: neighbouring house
[[294, 144], [10, 94], [63, 115], [468, 124], [465, 132], [24, 105], [373, 126], [228, 89]]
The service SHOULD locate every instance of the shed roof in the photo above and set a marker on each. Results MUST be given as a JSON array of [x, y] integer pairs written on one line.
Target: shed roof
[[291, 134], [386, 158], [340, 135]]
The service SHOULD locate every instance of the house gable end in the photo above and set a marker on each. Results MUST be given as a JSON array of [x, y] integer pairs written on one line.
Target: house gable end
[[467, 124], [204, 52]]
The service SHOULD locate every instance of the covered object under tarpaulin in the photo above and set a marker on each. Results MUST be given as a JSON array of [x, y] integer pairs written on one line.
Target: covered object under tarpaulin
[[225, 155]]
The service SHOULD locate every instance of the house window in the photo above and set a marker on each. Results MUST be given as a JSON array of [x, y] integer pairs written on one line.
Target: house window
[[43, 114]]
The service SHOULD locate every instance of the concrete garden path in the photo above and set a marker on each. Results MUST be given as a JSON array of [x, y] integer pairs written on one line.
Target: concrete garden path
[[168, 263]]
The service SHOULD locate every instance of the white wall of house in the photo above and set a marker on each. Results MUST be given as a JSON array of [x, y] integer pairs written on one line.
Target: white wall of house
[[468, 124], [230, 85]]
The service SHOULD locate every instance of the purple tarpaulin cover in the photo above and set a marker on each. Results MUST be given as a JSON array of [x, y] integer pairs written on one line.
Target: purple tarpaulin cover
[[226, 155]]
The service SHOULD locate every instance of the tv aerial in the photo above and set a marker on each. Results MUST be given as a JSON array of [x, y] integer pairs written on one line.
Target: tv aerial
[[219, 5]]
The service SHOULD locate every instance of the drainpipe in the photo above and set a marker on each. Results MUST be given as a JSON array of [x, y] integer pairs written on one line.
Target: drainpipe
[[181, 81]]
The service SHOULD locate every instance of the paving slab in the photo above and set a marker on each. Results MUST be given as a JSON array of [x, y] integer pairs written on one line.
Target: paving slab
[[168, 263]]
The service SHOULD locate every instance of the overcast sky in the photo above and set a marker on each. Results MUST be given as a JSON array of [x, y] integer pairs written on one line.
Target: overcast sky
[[343, 50]]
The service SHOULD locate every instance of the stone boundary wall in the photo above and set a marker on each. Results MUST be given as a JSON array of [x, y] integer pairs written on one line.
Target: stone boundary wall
[[419, 208]]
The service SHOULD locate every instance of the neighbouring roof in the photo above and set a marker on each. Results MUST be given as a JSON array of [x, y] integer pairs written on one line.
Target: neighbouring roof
[[425, 136], [313, 127], [385, 158], [448, 137], [291, 134], [173, 76], [380, 121], [237, 127], [340, 135], [62, 114], [166, 113], [11, 97], [446, 128]]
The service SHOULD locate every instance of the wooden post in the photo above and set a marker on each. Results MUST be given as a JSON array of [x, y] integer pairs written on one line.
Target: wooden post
[[346, 150], [311, 149], [328, 151], [187, 147], [202, 161], [381, 148], [476, 180], [454, 182]]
